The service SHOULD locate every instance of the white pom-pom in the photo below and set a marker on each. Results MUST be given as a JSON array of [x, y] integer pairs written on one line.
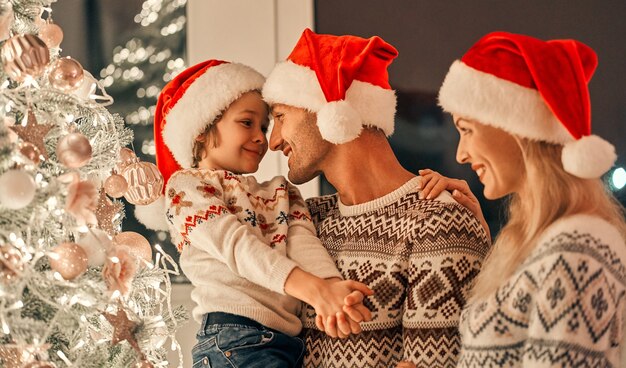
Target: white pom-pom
[[338, 122], [152, 215], [588, 157]]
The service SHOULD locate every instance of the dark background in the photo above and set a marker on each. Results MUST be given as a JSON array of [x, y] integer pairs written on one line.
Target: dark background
[[429, 35]]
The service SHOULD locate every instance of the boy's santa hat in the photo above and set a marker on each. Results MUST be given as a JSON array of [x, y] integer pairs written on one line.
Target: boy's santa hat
[[343, 79], [534, 89], [186, 106]]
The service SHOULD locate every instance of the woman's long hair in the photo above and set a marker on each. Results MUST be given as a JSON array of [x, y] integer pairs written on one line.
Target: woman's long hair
[[550, 193]]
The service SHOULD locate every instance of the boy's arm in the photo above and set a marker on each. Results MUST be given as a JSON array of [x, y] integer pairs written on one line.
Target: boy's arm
[[303, 245]]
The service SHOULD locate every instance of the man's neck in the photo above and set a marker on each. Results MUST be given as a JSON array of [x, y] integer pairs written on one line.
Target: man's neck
[[365, 169]]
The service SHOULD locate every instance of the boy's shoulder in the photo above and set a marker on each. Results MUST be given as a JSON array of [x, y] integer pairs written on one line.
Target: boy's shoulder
[[184, 176]]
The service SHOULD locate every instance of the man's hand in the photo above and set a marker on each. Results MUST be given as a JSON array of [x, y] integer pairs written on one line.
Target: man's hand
[[327, 298], [328, 306], [434, 183]]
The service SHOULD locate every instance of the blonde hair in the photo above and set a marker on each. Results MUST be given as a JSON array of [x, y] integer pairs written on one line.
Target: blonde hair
[[550, 194], [209, 133]]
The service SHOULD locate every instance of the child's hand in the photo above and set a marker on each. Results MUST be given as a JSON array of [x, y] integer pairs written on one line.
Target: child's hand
[[354, 308], [329, 307], [434, 183]]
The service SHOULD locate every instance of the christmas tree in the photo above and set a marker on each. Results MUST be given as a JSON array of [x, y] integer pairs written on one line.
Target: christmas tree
[[150, 57], [75, 290]]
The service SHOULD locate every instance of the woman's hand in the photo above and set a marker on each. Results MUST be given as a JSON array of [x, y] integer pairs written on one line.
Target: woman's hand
[[433, 183]]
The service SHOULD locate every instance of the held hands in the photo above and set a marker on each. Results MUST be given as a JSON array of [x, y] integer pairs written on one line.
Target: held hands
[[405, 364], [340, 308], [434, 183], [328, 297]]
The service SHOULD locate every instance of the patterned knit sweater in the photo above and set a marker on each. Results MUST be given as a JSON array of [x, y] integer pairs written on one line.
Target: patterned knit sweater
[[419, 257], [563, 307], [239, 240]]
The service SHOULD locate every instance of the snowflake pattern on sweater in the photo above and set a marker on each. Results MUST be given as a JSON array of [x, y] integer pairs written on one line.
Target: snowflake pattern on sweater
[[563, 307]]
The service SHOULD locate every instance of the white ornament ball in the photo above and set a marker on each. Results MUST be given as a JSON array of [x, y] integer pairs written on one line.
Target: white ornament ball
[[17, 189], [95, 243]]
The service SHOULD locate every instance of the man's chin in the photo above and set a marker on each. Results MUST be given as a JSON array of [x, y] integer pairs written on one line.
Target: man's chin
[[298, 178]]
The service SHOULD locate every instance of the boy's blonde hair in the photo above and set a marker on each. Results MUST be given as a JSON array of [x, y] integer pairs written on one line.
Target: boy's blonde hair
[[550, 194]]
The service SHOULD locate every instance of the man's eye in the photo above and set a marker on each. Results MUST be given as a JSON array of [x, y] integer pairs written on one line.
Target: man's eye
[[278, 116]]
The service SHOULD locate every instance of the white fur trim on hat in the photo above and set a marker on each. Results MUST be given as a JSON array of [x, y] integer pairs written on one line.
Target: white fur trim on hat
[[298, 86], [152, 215], [206, 97], [490, 100], [376, 105], [338, 122], [588, 157]]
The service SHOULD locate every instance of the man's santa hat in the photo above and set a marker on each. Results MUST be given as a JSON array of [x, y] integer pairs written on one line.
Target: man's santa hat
[[534, 89], [186, 106], [343, 79]]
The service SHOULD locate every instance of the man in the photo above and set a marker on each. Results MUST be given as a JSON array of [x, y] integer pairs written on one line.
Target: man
[[333, 109]]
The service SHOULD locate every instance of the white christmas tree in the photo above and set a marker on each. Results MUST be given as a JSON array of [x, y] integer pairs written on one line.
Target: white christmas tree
[[74, 289]]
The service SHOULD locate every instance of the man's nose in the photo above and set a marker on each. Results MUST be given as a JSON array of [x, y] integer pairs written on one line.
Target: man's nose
[[276, 138]]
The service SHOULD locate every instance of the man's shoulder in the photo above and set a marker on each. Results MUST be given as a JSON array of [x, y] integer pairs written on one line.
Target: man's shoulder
[[321, 205]]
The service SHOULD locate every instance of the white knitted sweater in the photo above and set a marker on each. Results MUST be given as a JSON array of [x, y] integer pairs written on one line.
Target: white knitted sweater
[[239, 240], [563, 307]]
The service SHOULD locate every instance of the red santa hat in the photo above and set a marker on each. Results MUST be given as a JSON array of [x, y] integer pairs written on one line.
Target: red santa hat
[[534, 89], [186, 106], [343, 79]]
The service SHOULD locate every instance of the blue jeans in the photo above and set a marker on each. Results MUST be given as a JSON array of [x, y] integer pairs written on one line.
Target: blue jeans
[[231, 341]]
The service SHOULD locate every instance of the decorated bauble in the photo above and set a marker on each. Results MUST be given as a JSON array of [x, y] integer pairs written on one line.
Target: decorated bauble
[[95, 243], [127, 157], [24, 55], [87, 88], [115, 185], [66, 74], [74, 150], [51, 34], [30, 151], [11, 262], [68, 259], [145, 183], [17, 189], [138, 246]]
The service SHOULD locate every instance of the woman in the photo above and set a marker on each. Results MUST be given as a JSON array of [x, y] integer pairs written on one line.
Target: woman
[[551, 293]]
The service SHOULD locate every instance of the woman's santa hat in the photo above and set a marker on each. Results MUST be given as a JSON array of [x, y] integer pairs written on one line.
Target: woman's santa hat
[[186, 106], [534, 89], [343, 79]]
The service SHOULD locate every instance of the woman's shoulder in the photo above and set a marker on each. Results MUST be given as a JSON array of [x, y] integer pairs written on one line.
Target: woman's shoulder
[[584, 236], [585, 225]]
